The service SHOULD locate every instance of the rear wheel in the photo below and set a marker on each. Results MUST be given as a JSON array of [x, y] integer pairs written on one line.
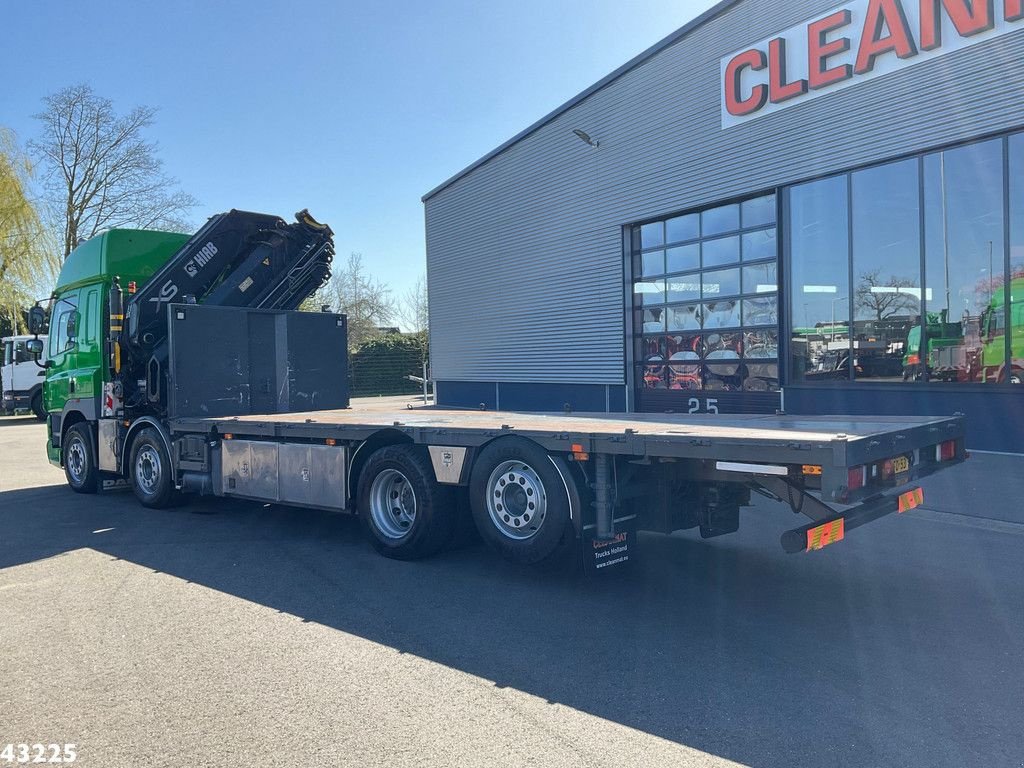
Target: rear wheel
[[519, 501], [37, 406], [407, 515], [150, 471], [79, 449]]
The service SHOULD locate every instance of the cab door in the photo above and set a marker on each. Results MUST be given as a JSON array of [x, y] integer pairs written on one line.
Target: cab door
[[60, 380], [88, 344]]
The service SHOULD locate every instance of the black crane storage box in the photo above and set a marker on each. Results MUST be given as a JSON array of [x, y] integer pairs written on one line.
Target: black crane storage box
[[235, 361]]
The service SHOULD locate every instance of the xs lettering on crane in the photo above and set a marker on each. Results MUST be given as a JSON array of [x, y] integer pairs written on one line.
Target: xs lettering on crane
[[167, 292]]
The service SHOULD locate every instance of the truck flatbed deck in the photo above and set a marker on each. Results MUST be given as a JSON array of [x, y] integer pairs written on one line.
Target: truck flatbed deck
[[835, 443]]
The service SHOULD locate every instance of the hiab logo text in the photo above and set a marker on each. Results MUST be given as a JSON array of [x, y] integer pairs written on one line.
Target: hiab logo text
[[201, 259]]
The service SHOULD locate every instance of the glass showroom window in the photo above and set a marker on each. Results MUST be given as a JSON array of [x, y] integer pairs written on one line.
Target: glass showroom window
[[871, 301], [705, 297], [1015, 339]]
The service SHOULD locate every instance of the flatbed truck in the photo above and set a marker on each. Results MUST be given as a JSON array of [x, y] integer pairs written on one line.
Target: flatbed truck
[[206, 381]]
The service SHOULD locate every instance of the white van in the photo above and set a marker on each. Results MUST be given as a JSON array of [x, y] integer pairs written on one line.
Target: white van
[[21, 380]]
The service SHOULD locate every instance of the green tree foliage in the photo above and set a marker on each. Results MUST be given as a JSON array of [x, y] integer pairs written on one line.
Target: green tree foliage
[[99, 171], [27, 267], [379, 366]]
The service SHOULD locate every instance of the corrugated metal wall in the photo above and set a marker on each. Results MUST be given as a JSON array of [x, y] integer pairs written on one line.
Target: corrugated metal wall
[[524, 253]]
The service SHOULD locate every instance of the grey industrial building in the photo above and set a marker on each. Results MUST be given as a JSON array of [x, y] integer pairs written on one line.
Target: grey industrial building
[[789, 205]]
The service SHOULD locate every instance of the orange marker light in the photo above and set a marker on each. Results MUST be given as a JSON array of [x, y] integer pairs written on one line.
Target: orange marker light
[[579, 452], [330, 441], [228, 436], [811, 469]]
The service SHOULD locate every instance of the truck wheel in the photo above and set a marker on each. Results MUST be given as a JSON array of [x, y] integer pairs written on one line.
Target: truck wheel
[[150, 472], [79, 450], [407, 515], [519, 502], [37, 406]]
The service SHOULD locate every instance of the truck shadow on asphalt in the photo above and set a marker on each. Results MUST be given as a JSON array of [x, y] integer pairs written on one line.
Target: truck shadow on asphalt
[[879, 652]]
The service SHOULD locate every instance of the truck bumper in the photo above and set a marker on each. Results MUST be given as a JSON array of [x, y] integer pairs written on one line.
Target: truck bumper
[[16, 401], [824, 531]]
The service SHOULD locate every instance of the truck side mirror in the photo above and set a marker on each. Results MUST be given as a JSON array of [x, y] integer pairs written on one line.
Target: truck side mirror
[[34, 347], [72, 326], [36, 320]]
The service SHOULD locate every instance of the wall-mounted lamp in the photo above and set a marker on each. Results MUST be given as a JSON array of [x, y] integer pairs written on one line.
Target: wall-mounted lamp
[[585, 138]]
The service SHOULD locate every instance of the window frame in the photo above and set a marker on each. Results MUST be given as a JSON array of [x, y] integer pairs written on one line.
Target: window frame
[[637, 338], [783, 234]]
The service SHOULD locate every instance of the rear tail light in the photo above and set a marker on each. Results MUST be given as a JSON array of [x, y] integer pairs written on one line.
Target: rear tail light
[[945, 451], [856, 478]]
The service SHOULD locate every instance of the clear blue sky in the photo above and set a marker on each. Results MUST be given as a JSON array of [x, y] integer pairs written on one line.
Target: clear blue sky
[[353, 110]]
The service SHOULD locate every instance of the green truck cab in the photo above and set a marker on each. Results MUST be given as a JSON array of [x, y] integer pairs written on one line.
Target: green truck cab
[[993, 345], [77, 368], [941, 334]]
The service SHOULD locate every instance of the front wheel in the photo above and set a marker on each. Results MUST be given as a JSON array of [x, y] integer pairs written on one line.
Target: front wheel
[[79, 450], [407, 515], [37, 406], [520, 504], [150, 471]]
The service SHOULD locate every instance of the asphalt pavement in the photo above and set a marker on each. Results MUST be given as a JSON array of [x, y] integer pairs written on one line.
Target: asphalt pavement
[[225, 634]]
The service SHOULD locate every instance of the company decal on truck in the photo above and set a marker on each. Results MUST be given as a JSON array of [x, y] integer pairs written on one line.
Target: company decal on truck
[[169, 289], [201, 259], [857, 41]]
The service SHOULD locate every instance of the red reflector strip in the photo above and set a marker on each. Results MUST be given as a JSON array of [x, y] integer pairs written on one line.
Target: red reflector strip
[[825, 534], [911, 500]]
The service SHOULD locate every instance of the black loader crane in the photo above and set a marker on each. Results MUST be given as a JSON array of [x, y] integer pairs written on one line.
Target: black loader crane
[[238, 259]]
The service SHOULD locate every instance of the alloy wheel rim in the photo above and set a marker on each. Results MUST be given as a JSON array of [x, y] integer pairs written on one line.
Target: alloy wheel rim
[[148, 469], [392, 504], [516, 501], [76, 459]]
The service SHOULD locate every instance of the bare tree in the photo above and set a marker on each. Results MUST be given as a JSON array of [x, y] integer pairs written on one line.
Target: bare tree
[[884, 297], [366, 300], [100, 172], [412, 309], [27, 263], [413, 313]]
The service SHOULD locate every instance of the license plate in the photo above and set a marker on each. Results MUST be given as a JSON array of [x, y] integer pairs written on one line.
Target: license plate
[[900, 465]]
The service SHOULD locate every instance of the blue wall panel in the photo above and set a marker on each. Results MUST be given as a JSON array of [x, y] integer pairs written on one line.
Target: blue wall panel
[[466, 394], [552, 397], [995, 419], [532, 397]]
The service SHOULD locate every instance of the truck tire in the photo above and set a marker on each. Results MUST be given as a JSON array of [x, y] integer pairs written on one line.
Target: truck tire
[[79, 449], [36, 405], [150, 472], [519, 501], [406, 514]]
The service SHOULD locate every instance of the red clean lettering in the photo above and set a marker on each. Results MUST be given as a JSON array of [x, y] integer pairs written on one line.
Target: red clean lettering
[[969, 17], [1014, 10], [778, 88], [883, 15], [734, 102], [819, 50]]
